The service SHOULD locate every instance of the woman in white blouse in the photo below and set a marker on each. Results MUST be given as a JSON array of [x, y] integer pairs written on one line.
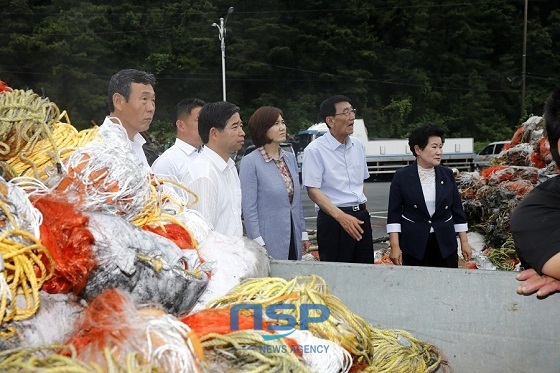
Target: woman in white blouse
[[425, 213]]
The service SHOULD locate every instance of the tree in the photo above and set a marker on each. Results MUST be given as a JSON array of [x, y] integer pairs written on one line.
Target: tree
[[403, 63]]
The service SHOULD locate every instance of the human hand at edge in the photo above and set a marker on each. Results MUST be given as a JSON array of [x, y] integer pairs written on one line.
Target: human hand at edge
[[396, 255], [466, 251], [352, 225], [306, 245], [533, 282]]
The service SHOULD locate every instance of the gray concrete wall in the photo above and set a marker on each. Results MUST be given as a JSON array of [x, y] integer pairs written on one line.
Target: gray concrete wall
[[474, 317]]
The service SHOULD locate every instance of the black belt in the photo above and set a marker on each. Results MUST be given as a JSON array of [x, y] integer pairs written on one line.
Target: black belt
[[353, 208]]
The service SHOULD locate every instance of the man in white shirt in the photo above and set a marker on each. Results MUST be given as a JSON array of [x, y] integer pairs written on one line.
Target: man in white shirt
[[213, 176], [174, 162], [334, 170], [132, 104]]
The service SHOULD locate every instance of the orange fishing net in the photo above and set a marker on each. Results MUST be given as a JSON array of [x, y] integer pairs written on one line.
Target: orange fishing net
[[212, 320], [489, 171], [499, 173], [104, 323], [65, 234], [520, 187], [82, 181], [175, 233], [516, 139], [217, 320], [541, 153], [4, 87], [112, 322]]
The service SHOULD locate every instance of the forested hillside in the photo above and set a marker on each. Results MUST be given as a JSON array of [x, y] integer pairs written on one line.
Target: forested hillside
[[452, 62]]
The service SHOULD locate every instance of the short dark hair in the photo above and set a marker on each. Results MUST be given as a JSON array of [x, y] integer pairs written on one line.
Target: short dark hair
[[121, 81], [184, 107], [552, 122], [216, 115], [421, 135], [261, 121], [328, 108]]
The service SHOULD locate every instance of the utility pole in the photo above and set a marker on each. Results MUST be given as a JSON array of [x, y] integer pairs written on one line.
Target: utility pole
[[222, 35]]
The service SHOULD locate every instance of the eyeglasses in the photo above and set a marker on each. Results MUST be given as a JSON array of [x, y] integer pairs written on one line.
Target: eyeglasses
[[347, 112]]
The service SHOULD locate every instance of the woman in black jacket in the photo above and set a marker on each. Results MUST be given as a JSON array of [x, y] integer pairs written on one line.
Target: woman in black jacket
[[425, 213]]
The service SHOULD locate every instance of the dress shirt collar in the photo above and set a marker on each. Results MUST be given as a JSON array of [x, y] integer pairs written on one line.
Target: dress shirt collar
[[186, 147], [217, 160], [334, 143], [139, 139]]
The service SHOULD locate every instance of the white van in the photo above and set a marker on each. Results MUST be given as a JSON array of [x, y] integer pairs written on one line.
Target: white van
[[489, 152]]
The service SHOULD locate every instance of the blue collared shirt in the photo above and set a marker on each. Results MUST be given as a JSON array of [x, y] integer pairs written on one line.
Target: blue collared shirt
[[339, 170]]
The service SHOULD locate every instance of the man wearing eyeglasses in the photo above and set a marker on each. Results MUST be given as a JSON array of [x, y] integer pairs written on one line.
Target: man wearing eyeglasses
[[334, 170]]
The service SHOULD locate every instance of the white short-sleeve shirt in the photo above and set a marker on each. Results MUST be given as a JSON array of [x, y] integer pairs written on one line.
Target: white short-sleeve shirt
[[175, 161], [217, 185]]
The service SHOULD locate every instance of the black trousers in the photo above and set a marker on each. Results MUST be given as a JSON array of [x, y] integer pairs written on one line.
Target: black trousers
[[432, 256], [335, 245]]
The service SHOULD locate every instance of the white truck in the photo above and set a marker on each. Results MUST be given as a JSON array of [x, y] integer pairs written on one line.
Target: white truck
[[385, 156]]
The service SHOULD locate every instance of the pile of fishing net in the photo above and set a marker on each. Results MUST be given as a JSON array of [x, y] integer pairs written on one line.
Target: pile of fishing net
[[306, 303], [113, 334], [80, 255], [241, 331], [489, 196], [79, 216]]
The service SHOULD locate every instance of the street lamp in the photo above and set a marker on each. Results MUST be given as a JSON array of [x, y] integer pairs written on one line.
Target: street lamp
[[222, 35]]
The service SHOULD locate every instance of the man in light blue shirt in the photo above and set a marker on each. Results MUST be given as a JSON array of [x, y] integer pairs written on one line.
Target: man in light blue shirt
[[334, 170]]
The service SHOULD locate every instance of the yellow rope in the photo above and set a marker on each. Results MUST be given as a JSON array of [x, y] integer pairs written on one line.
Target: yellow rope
[[381, 350], [504, 258], [45, 359], [24, 118], [6, 171], [22, 262], [398, 351], [248, 352], [46, 153], [158, 265]]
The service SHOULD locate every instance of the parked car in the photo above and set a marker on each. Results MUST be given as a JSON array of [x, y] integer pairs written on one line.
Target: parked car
[[489, 152], [242, 153]]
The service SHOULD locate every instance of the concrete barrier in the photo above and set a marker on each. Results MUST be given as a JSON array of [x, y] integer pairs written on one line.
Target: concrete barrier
[[474, 317]]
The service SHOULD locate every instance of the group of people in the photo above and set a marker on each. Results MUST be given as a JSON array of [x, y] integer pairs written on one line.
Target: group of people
[[425, 214], [425, 211]]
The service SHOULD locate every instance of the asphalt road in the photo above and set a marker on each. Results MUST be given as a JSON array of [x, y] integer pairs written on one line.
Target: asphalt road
[[377, 193]]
